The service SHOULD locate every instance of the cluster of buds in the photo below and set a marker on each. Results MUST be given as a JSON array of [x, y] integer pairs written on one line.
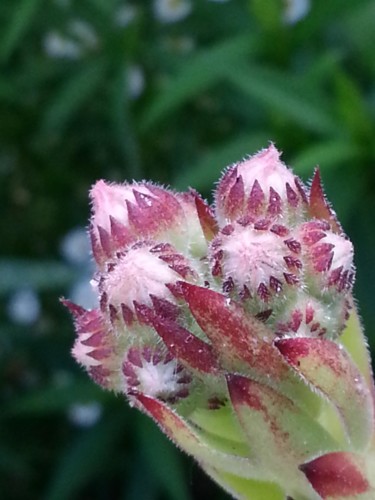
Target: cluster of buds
[[234, 328]]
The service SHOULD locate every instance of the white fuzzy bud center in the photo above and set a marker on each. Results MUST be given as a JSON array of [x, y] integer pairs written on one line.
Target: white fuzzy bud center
[[251, 257], [137, 275]]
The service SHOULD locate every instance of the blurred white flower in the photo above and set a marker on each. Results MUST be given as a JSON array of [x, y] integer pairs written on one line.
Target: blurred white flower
[[85, 415], [135, 81], [58, 46], [75, 249], [84, 32], [171, 11], [124, 15], [82, 293], [24, 306], [75, 246], [295, 10]]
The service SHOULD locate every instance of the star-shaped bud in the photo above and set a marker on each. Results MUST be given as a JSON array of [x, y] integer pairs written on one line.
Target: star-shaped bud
[[155, 373], [256, 260], [261, 186], [95, 347], [142, 272], [329, 255], [126, 213], [306, 316]]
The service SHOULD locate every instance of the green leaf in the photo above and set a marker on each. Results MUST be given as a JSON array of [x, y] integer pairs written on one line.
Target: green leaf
[[22, 19], [358, 26], [39, 275], [281, 435], [208, 169], [354, 340], [268, 14], [245, 489], [329, 369], [281, 93], [351, 106], [199, 73], [207, 448]]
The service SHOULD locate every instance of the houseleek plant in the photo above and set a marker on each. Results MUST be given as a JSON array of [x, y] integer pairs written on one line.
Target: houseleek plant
[[235, 329]]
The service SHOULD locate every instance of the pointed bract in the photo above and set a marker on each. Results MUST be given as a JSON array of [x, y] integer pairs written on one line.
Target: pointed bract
[[281, 435], [318, 205], [337, 475], [256, 187], [330, 370]]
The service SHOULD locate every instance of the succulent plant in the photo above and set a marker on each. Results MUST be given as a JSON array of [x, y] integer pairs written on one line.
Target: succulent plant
[[235, 329]]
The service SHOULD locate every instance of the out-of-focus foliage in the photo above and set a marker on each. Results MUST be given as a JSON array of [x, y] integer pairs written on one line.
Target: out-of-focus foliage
[[168, 90]]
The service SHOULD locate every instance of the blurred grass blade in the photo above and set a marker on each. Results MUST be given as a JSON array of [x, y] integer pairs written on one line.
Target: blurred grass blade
[[280, 93], [53, 399], [208, 168], [327, 154], [73, 93], [39, 275], [198, 74], [84, 459], [352, 106], [155, 445], [23, 18], [268, 14], [135, 486]]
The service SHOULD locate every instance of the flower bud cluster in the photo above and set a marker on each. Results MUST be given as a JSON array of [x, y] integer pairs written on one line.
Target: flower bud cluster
[[273, 252], [263, 245], [212, 311]]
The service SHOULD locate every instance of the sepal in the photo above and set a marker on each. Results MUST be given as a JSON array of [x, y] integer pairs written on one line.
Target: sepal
[[330, 370], [280, 435]]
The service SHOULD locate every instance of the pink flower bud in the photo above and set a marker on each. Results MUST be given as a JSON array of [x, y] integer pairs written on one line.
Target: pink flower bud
[[126, 213], [329, 255], [141, 272], [306, 316], [95, 347], [155, 373], [261, 186], [255, 259]]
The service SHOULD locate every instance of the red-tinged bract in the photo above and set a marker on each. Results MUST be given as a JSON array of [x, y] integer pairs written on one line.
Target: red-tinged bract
[[228, 325]]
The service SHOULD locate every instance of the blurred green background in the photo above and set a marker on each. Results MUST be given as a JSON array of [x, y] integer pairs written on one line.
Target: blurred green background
[[169, 90]]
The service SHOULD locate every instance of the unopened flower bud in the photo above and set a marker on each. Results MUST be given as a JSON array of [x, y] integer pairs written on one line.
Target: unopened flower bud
[[141, 272], [235, 329], [306, 316], [126, 213], [255, 260], [329, 255], [151, 371], [261, 186]]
